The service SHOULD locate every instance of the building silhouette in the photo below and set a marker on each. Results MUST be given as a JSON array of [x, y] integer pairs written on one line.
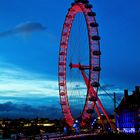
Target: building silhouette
[[127, 114]]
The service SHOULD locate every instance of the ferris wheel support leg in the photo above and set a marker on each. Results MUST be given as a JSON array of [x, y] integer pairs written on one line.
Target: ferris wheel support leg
[[98, 100], [85, 78], [106, 115]]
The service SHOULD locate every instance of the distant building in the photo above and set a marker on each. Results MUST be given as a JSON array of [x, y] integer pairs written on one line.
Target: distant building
[[127, 114]]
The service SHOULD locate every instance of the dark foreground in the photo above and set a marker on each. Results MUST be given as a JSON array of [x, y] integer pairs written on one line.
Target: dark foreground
[[90, 136], [105, 137]]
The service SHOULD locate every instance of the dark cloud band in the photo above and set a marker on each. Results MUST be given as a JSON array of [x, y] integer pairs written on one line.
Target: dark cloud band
[[24, 28]]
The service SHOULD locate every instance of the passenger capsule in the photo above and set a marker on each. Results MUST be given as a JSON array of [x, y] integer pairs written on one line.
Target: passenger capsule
[[92, 14], [72, 4], [76, 1], [88, 5], [84, 1], [96, 52], [96, 37], [95, 84], [94, 24], [97, 69]]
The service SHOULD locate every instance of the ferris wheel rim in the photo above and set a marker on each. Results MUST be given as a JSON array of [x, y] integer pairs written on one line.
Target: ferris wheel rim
[[89, 17]]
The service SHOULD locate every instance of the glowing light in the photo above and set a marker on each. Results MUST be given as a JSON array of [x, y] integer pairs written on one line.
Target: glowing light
[[46, 124], [98, 118], [129, 130]]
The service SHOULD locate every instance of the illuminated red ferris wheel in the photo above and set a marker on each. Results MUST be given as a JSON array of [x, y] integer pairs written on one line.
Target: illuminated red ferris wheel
[[79, 63]]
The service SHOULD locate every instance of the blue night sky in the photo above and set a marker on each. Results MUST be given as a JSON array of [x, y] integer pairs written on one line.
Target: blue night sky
[[29, 56]]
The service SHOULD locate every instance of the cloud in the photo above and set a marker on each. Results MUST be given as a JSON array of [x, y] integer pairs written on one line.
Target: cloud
[[18, 82], [16, 79], [20, 87], [12, 110], [24, 28]]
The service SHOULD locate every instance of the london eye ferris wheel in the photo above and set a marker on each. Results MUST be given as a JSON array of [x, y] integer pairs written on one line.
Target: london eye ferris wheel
[[79, 64]]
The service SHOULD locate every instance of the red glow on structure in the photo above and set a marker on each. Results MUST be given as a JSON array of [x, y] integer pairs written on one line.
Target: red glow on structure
[[94, 61]]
